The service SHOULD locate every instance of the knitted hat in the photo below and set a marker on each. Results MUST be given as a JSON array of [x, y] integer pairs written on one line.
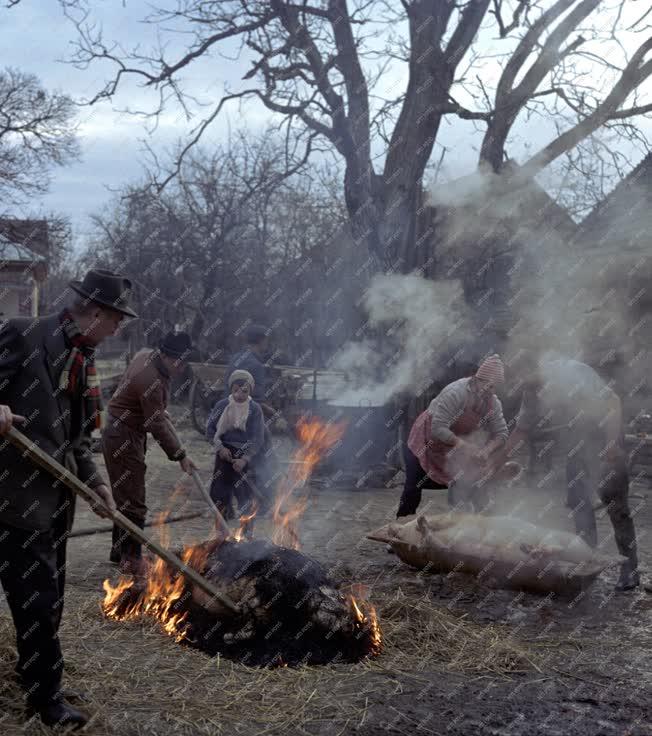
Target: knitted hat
[[491, 369], [241, 375]]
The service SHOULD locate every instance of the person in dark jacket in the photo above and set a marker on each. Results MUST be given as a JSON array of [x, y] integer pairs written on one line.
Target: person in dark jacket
[[236, 429], [47, 375], [252, 360]]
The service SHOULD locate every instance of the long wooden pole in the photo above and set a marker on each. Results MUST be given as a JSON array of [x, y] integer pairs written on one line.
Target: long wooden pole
[[219, 519], [105, 528], [220, 522], [81, 489]]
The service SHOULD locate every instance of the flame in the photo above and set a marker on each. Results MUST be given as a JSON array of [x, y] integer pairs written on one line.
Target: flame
[[316, 437], [366, 616], [245, 521], [163, 589]]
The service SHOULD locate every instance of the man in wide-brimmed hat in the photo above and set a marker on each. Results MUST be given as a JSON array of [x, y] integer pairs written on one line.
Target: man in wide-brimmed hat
[[49, 387], [137, 408]]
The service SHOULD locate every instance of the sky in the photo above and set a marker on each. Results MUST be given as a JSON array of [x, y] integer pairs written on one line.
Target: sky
[[35, 37]]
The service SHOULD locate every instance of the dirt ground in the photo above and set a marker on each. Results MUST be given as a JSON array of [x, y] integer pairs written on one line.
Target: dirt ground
[[459, 658]]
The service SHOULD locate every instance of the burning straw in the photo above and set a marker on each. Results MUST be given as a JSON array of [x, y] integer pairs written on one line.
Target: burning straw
[[289, 609]]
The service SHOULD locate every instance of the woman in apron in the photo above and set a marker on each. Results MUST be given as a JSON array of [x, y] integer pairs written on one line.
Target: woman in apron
[[442, 450]]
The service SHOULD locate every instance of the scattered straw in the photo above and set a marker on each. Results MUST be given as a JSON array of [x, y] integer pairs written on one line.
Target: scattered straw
[[139, 682]]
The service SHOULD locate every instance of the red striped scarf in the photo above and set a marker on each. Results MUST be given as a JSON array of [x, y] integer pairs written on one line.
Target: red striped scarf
[[80, 370]]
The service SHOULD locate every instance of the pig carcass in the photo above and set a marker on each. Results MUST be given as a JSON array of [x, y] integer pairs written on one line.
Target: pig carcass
[[503, 551]]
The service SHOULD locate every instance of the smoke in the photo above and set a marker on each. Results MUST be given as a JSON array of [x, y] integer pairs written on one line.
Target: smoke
[[413, 319], [565, 288]]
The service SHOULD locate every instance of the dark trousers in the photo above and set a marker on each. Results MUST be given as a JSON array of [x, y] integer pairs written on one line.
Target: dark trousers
[[227, 482], [32, 572], [613, 490], [415, 480]]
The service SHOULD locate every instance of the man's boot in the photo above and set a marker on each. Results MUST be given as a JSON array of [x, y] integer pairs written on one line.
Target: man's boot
[[629, 578], [57, 713]]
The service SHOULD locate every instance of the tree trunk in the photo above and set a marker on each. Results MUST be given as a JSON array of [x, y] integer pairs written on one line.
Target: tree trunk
[[387, 226]]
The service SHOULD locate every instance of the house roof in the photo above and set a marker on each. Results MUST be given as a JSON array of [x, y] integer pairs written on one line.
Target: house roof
[[625, 215], [30, 234], [494, 197], [15, 252]]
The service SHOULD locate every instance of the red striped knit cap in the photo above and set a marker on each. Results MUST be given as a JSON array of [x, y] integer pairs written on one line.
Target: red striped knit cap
[[492, 369]]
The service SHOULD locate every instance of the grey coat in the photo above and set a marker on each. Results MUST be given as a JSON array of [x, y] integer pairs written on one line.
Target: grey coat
[[33, 353]]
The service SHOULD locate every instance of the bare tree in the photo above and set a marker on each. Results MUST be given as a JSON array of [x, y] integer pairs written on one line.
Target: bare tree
[[313, 65], [37, 131], [208, 250]]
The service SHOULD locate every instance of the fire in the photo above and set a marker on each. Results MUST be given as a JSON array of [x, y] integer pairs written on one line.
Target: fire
[[159, 595], [246, 520], [316, 437], [365, 614]]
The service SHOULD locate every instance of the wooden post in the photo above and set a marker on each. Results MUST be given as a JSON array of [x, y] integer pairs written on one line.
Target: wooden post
[[44, 460]]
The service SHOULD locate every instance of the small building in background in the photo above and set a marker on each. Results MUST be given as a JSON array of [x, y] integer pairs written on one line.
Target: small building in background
[[24, 250]]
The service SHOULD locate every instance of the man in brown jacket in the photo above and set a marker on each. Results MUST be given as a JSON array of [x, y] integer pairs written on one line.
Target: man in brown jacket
[[137, 408], [49, 387]]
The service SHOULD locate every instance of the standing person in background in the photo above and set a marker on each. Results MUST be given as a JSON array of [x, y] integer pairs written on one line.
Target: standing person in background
[[570, 396], [49, 387], [439, 445], [137, 408], [252, 359], [236, 429]]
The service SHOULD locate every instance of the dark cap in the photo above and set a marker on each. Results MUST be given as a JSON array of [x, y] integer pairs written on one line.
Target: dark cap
[[176, 344]]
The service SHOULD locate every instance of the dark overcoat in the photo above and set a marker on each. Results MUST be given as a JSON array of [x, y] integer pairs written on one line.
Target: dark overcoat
[[33, 353]]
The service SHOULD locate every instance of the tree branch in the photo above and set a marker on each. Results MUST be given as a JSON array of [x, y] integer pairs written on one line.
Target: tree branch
[[526, 47], [506, 29], [631, 112], [511, 100], [632, 76], [465, 31]]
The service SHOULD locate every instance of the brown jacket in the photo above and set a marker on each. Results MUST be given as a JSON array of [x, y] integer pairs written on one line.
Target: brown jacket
[[141, 399], [33, 353]]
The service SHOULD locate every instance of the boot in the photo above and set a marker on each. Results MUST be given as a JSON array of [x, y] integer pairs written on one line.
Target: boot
[[73, 695], [629, 579], [59, 714]]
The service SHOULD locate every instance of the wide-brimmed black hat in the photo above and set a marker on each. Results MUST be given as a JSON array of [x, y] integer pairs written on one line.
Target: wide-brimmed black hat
[[107, 289], [176, 344]]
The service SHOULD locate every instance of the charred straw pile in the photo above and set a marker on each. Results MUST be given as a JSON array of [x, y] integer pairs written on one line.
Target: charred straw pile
[[290, 611]]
